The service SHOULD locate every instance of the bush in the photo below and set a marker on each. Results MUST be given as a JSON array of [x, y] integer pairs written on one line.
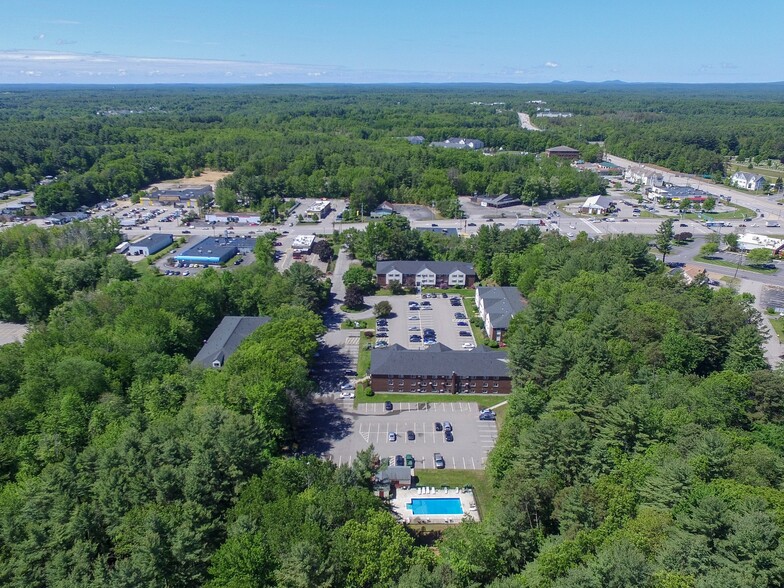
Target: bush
[[369, 392], [492, 344]]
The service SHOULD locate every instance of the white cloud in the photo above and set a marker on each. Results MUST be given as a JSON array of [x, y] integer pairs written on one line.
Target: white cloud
[[551, 64], [39, 37]]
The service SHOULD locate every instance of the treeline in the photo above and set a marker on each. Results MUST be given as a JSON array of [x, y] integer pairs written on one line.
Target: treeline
[[392, 237], [337, 142], [119, 462]]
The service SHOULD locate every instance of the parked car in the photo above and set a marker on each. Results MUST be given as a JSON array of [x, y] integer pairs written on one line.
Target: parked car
[[464, 333], [462, 324], [439, 427], [410, 460], [415, 339], [392, 436], [487, 416], [448, 436], [468, 345], [349, 372], [413, 318], [413, 328], [447, 426], [439, 461], [348, 395], [348, 386], [387, 405], [460, 315], [410, 435], [399, 460]]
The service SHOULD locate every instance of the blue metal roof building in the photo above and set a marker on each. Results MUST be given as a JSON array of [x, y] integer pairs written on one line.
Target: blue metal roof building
[[216, 250]]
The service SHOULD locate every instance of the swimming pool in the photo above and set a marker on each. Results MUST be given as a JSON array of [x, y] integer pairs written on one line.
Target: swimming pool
[[435, 506]]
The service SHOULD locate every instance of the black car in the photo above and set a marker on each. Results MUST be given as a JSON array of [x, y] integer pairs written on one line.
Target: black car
[[411, 435], [387, 405], [444, 295], [415, 339], [399, 461], [381, 323], [439, 427], [487, 416], [459, 315], [428, 332], [464, 333], [448, 436]]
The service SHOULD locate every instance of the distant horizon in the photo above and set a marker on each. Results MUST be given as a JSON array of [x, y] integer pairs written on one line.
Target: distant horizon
[[359, 42]]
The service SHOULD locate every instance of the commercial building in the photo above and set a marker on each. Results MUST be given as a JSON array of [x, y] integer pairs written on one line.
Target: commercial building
[[383, 209], [458, 143], [225, 339], [497, 306], [439, 369], [151, 244], [303, 243], [563, 152], [441, 274], [63, 218], [216, 250], [596, 205], [501, 201], [320, 209], [182, 196], [233, 218], [750, 241]]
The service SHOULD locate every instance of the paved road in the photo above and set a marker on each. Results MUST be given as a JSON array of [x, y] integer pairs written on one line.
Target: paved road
[[525, 122], [766, 204]]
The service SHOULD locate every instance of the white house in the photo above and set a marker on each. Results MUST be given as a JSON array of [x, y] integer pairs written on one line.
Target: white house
[[747, 181], [645, 177], [497, 306], [596, 205], [440, 274]]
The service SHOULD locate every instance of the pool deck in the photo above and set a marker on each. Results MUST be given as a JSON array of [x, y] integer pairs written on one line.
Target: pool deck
[[403, 497]]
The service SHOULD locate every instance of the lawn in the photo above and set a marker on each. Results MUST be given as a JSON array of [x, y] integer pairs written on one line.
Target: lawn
[[483, 400], [739, 213], [778, 326], [363, 360], [458, 291], [483, 491], [721, 262]]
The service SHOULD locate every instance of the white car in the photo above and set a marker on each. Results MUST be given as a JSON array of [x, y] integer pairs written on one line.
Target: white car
[[347, 395], [392, 436], [468, 345], [348, 386]]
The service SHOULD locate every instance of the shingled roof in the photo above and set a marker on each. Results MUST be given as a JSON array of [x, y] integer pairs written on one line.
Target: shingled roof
[[438, 360], [224, 340], [501, 304], [414, 267]]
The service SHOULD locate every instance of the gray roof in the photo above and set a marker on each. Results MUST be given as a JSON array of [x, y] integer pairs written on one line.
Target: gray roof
[[183, 193], [395, 474], [154, 241], [224, 340], [438, 360], [749, 177], [459, 143], [415, 139], [217, 247], [562, 149], [414, 267], [685, 192], [499, 199], [501, 304]]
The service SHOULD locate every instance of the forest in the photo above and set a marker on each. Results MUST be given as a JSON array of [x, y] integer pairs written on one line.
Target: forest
[[643, 445], [349, 141]]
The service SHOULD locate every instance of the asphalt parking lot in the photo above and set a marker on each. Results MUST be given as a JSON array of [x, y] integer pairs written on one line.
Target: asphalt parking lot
[[338, 431], [439, 316]]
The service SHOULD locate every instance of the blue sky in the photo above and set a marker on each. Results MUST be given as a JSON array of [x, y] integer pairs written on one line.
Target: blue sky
[[286, 41]]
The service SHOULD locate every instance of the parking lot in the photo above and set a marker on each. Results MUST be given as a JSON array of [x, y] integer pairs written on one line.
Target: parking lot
[[339, 431], [435, 313]]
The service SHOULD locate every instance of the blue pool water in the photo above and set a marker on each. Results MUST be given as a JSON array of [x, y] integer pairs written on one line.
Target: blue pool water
[[435, 506]]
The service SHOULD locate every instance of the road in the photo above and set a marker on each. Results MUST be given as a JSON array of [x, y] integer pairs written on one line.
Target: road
[[766, 204], [525, 122]]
